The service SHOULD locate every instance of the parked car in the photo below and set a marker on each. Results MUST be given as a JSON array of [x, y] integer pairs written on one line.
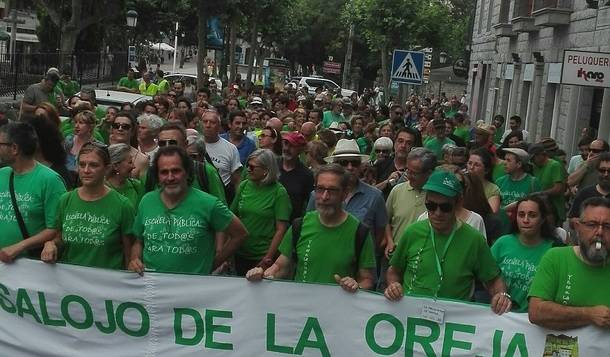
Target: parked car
[[172, 77], [114, 98], [311, 83]]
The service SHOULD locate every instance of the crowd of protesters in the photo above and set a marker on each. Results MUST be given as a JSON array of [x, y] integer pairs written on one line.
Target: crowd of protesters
[[404, 198]]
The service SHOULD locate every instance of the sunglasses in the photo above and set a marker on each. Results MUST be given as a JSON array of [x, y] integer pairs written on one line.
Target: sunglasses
[[382, 151], [119, 126], [345, 163], [596, 151], [603, 171], [433, 206], [170, 142]]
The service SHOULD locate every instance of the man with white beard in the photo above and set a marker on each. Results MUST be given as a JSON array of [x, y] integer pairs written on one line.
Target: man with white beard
[[571, 288]]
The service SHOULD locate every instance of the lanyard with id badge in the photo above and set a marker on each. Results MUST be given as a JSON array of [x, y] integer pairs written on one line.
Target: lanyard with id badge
[[432, 311]]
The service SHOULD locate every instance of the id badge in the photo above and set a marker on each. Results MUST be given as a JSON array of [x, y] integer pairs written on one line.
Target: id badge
[[433, 312]]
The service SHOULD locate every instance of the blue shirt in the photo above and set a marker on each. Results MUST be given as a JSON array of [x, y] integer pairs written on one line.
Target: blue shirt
[[245, 148], [366, 204]]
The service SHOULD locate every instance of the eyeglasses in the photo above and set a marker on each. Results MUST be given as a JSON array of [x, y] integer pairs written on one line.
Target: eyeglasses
[[433, 206], [379, 151], [596, 151], [345, 163], [194, 156], [593, 226], [603, 171], [253, 167], [398, 113], [119, 126], [169, 142], [331, 190]]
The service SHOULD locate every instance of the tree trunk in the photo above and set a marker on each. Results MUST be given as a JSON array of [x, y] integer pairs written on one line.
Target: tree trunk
[[202, 33], [68, 43], [347, 66], [261, 59], [253, 50], [384, 68], [232, 46]]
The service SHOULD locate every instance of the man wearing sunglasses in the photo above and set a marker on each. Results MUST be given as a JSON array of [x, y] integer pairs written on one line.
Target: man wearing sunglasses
[[570, 288], [442, 256], [586, 174]]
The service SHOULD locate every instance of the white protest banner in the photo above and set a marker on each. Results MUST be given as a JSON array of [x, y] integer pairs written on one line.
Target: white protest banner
[[64, 310]]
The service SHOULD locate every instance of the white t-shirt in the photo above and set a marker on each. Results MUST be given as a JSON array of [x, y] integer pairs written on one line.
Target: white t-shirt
[[474, 220], [225, 157]]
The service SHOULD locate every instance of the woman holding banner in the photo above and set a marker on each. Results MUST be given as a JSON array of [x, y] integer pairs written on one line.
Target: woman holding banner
[[519, 253], [94, 221]]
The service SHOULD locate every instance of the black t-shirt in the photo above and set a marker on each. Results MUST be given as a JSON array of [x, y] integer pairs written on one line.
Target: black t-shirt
[[581, 196], [299, 184]]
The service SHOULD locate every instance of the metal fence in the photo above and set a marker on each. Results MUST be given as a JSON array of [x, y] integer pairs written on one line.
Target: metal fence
[[19, 70]]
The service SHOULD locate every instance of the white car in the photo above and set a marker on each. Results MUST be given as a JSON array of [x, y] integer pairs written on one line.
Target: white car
[[311, 83], [172, 77], [106, 98]]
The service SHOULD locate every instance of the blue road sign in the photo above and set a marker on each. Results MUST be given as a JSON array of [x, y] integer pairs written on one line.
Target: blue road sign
[[408, 67]]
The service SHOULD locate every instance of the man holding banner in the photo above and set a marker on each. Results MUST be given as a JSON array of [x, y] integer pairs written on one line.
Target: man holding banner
[[176, 225], [441, 256], [570, 288], [328, 245]]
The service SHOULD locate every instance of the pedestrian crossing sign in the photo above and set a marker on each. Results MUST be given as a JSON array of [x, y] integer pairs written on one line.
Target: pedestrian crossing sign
[[408, 67]]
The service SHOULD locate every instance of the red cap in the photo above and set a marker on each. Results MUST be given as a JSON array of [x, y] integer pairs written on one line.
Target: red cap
[[294, 138]]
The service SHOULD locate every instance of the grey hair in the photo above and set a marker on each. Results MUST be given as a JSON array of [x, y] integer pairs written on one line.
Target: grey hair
[[118, 152], [428, 158], [199, 143], [154, 121], [267, 159]]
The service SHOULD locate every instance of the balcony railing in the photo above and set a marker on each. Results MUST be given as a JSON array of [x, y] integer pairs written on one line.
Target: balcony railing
[[552, 13]]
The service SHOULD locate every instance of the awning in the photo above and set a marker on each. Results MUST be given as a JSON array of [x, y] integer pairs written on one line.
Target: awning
[[26, 37], [161, 46]]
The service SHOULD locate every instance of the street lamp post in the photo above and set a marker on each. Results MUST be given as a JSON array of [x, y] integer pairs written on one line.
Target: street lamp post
[[132, 21], [442, 59]]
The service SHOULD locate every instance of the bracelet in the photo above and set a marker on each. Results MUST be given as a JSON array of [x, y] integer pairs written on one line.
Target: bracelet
[[504, 293]]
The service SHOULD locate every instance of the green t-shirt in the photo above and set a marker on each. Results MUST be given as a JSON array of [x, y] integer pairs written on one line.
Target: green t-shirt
[[68, 88], [436, 146], [150, 89], [180, 239], [467, 258], [565, 279], [37, 193], [499, 170], [325, 251], [462, 132], [548, 175], [129, 83], [132, 189], [498, 136], [259, 208], [329, 117], [490, 189], [512, 191], [518, 263], [92, 231]]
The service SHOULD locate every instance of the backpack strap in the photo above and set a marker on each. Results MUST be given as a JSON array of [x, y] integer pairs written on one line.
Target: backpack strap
[[151, 180], [361, 234], [202, 176], [297, 224]]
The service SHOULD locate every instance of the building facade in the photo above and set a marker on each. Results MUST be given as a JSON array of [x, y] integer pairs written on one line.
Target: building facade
[[516, 61]]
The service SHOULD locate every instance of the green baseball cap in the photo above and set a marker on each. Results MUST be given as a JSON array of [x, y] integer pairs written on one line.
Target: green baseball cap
[[444, 183]]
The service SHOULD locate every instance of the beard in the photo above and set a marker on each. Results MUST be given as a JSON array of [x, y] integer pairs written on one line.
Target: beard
[[327, 210], [592, 254]]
